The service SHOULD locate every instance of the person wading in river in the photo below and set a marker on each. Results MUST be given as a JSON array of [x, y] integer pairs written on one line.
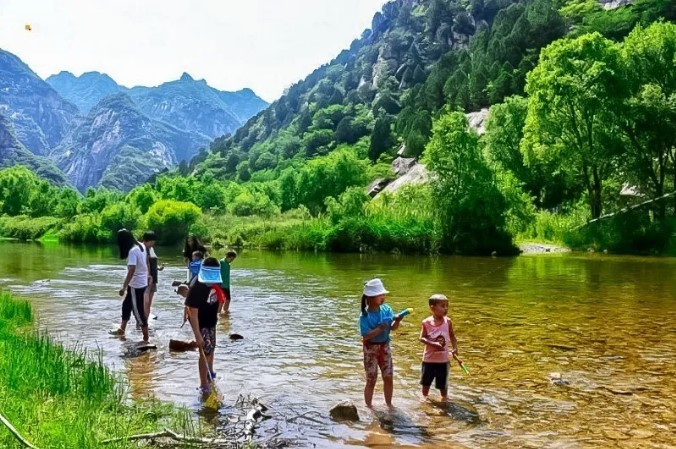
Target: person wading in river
[[135, 282], [375, 322], [203, 301], [149, 239]]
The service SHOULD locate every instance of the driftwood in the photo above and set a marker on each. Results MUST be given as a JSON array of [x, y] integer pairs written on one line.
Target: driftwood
[[168, 433], [624, 210], [253, 417], [14, 432], [180, 345]]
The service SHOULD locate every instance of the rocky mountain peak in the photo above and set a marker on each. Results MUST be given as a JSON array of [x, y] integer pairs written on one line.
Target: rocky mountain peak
[[186, 77]]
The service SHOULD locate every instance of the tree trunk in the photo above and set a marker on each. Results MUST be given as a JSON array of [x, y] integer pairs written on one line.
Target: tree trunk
[[595, 199]]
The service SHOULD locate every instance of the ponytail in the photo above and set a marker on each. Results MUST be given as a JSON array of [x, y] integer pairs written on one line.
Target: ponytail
[[363, 304]]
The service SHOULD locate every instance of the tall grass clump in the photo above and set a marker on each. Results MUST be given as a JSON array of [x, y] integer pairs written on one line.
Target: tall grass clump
[[58, 398]]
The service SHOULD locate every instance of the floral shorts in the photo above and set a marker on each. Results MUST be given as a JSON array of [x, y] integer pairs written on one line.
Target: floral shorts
[[378, 356], [209, 337]]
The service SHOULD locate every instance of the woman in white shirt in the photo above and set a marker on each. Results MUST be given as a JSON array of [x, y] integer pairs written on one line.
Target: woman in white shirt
[[135, 283]]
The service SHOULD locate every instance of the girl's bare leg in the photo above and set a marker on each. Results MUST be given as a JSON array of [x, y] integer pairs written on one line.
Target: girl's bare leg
[[388, 389], [368, 391]]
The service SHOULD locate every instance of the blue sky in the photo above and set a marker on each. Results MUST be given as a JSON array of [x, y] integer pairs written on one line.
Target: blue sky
[[266, 45]]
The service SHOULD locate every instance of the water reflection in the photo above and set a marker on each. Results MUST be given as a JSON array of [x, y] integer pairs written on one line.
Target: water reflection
[[564, 351]]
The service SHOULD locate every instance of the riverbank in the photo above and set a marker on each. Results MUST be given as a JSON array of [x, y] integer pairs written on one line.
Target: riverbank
[[380, 229], [58, 398]]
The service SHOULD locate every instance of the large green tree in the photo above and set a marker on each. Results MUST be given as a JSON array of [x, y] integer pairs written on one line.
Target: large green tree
[[648, 118], [573, 92], [471, 208]]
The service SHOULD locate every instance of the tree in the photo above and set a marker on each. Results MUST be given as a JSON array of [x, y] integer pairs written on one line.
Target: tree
[[471, 208], [648, 118], [381, 137], [504, 132], [16, 185], [572, 93]]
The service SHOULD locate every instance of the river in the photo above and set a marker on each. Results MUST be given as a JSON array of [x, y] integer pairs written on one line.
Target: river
[[565, 350]]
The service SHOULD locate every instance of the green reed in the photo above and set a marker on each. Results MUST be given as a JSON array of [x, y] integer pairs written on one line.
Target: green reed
[[59, 398]]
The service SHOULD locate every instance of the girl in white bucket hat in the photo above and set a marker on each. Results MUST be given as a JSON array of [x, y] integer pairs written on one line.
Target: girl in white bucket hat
[[376, 321]]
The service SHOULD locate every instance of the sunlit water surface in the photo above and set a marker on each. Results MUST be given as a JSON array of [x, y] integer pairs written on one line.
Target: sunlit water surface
[[565, 351]]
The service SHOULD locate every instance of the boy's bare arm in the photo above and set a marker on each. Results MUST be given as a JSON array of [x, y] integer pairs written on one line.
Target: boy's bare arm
[[425, 340], [194, 323], [454, 341]]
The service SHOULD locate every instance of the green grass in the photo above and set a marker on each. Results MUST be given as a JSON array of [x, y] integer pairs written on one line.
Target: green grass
[[26, 228], [58, 398]]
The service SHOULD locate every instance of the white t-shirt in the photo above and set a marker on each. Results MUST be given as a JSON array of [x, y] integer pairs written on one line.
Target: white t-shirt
[[138, 259]]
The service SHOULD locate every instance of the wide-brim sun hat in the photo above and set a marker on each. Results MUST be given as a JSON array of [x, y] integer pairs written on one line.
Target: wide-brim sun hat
[[374, 287], [210, 275]]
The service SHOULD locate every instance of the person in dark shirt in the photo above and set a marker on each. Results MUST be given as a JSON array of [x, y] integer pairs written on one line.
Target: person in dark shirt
[[202, 302]]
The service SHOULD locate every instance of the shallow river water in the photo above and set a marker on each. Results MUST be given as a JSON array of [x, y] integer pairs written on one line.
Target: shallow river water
[[565, 351]]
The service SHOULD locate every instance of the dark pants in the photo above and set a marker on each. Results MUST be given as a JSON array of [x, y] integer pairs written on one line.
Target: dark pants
[[133, 302]]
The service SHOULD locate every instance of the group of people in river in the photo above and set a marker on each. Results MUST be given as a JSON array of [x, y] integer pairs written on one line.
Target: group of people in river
[[207, 295], [206, 291]]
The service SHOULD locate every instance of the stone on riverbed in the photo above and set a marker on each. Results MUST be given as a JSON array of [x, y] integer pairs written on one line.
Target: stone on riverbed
[[344, 411]]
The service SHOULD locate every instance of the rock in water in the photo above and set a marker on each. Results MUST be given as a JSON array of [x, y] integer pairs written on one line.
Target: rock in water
[[344, 411]]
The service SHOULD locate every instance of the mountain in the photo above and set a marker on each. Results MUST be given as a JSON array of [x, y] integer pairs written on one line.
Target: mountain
[[188, 104], [12, 152], [39, 115], [196, 107], [86, 90], [96, 129], [418, 57], [121, 146]]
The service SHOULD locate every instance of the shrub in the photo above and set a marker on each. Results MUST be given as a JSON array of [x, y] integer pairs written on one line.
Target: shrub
[[171, 220]]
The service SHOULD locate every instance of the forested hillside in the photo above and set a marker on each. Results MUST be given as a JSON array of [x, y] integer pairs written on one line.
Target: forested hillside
[[418, 57]]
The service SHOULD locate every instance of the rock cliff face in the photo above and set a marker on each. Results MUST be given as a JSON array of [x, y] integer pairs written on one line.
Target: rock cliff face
[[196, 107], [39, 115], [85, 91], [117, 141], [12, 152]]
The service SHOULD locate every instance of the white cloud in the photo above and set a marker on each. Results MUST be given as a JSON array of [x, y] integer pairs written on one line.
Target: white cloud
[[266, 45]]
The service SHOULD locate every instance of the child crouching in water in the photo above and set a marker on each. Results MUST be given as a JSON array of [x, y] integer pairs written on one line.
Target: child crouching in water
[[203, 301], [375, 322], [437, 333]]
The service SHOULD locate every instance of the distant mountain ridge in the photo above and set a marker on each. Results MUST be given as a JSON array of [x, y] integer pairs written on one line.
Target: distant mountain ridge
[[95, 129], [185, 103], [116, 130]]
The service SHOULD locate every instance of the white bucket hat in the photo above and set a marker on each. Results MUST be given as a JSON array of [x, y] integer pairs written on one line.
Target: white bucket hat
[[374, 287]]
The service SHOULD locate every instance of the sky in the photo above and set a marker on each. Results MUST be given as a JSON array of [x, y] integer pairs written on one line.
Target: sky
[[265, 45]]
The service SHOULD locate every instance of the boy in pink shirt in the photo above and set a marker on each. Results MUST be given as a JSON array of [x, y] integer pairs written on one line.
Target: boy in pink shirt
[[437, 333]]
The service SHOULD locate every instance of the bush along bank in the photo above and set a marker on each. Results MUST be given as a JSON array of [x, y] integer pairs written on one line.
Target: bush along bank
[[58, 398]]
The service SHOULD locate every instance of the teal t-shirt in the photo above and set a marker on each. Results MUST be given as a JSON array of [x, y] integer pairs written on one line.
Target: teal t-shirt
[[372, 320], [225, 273]]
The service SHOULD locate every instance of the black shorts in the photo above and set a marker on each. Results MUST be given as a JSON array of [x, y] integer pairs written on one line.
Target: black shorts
[[227, 294], [133, 302], [437, 372]]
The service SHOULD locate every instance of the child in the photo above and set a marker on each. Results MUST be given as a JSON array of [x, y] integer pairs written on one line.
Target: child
[[149, 239], [135, 282], [375, 322], [203, 301], [437, 333], [225, 275], [195, 264]]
